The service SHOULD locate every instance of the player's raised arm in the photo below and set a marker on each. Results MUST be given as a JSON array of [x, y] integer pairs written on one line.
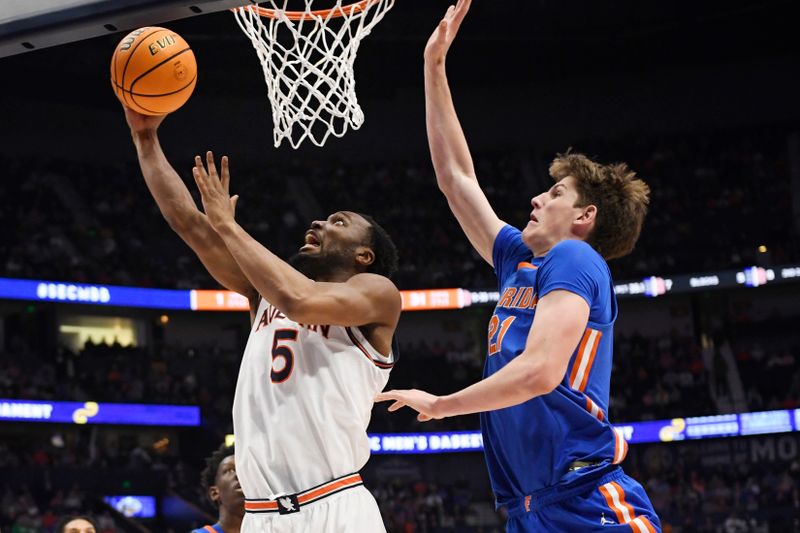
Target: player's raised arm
[[178, 207], [452, 161], [362, 299]]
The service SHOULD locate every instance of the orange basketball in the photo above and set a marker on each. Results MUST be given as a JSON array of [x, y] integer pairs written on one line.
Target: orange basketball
[[153, 71]]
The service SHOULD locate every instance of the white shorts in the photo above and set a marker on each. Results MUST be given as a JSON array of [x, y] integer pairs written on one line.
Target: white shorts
[[350, 511]]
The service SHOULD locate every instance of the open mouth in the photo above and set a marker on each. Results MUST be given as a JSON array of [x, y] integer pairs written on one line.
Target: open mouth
[[311, 241], [534, 219]]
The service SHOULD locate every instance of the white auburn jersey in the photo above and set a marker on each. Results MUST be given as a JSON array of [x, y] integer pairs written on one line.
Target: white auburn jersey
[[302, 405]]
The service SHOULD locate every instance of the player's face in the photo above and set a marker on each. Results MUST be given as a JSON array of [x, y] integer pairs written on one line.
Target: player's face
[[552, 216], [229, 492], [330, 244], [79, 525], [343, 229]]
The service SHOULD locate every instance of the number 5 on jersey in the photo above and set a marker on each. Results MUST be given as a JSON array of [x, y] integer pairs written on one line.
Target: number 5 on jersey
[[282, 353]]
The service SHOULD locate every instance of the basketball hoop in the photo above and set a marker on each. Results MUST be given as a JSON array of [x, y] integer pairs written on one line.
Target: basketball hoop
[[307, 58]]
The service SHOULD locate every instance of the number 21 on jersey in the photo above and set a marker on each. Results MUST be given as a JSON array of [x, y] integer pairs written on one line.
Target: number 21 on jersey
[[495, 336]]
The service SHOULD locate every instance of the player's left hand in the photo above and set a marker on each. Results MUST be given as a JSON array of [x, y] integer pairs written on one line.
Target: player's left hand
[[427, 405], [219, 205]]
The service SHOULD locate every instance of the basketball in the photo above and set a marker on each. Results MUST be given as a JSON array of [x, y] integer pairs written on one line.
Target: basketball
[[153, 71]]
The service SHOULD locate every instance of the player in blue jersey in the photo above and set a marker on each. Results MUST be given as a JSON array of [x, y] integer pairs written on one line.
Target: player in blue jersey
[[223, 489], [553, 456]]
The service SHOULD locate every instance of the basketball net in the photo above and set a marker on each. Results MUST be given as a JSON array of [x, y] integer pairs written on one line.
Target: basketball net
[[307, 58]]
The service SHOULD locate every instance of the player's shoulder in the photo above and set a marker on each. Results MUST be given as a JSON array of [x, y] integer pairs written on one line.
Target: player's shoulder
[[508, 233], [508, 244], [373, 281], [378, 287]]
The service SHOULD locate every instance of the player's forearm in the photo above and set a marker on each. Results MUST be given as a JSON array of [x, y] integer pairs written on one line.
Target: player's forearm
[[519, 381], [448, 145], [168, 189], [272, 277]]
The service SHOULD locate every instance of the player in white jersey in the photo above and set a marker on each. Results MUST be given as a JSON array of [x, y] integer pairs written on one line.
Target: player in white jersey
[[319, 351]]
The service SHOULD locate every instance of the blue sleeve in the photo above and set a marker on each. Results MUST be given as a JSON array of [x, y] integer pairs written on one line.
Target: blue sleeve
[[508, 252], [576, 267]]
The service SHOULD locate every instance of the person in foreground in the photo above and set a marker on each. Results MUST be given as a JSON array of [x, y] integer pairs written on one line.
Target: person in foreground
[[320, 347], [222, 488], [551, 452]]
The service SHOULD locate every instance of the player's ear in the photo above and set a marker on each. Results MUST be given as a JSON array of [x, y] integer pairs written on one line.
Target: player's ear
[[588, 215], [365, 256], [213, 494]]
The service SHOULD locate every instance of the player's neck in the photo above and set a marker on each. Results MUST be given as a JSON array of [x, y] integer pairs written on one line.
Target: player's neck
[[230, 521], [540, 249]]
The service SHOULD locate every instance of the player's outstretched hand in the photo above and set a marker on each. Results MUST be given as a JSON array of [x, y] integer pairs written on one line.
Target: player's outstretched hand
[[424, 403], [219, 205], [140, 123], [442, 37]]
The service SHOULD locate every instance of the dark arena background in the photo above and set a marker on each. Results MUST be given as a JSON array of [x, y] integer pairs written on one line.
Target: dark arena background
[[102, 304]]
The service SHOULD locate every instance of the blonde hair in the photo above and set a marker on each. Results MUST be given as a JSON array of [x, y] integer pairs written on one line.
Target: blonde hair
[[620, 197]]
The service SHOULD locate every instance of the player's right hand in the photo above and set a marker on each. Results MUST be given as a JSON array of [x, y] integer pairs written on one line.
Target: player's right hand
[[442, 37], [140, 123]]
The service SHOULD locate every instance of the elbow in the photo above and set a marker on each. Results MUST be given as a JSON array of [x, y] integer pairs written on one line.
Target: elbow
[[445, 183], [295, 306], [291, 307], [178, 222], [541, 378], [448, 182]]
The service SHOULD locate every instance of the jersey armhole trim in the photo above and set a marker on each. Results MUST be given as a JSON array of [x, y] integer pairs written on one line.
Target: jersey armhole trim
[[369, 352]]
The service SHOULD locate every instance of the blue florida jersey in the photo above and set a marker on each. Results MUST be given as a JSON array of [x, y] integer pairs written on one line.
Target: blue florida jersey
[[537, 444]]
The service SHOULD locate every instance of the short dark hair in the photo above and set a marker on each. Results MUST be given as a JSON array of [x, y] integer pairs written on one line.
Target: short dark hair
[[384, 248], [209, 475], [62, 524]]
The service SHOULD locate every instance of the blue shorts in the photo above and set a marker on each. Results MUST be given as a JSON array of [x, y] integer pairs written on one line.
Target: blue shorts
[[611, 503]]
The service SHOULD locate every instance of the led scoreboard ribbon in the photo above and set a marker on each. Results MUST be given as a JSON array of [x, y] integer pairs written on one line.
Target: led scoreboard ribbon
[[677, 429], [413, 300], [136, 414]]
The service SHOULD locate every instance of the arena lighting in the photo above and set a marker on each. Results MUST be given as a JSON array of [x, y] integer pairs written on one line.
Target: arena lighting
[[413, 300], [133, 414], [676, 429]]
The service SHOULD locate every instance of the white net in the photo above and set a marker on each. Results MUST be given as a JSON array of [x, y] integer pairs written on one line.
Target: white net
[[308, 65]]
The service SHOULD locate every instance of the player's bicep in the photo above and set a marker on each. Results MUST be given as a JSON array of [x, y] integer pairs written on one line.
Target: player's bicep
[[558, 325], [475, 215], [363, 299]]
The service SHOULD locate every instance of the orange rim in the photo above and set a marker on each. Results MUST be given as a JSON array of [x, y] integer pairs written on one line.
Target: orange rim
[[334, 12]]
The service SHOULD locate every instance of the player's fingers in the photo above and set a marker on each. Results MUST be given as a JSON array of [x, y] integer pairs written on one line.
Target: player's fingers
[[198, 179], [212, 167], [198, 164], [460, 12], [423, 418], [225, 174], [234, 200], [396, 405], [448, 15], [385, 396]]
